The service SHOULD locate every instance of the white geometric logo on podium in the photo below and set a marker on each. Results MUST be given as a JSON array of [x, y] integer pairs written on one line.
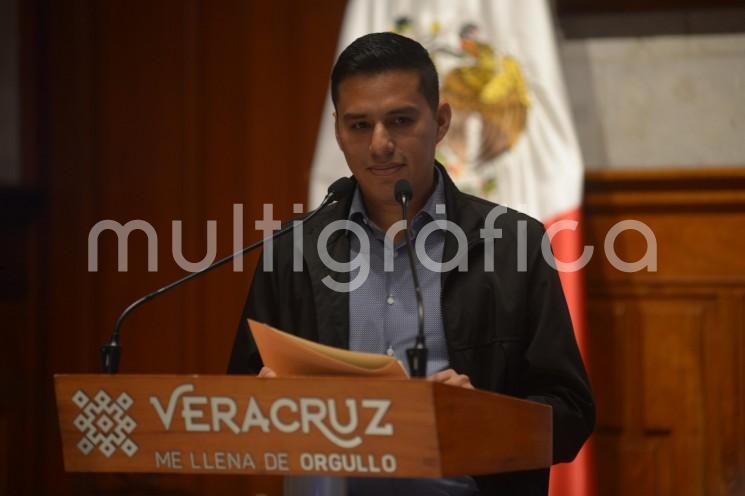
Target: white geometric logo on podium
[[105, 423]]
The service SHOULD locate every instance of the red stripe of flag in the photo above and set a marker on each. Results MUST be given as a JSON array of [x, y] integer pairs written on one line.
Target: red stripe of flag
[[575, 478]]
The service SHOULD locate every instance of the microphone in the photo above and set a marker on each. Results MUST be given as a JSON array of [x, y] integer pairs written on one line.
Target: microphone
[[111, 351], [417, 356]]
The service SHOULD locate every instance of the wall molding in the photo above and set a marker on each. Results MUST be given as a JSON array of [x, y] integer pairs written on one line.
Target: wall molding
[[674, 189]]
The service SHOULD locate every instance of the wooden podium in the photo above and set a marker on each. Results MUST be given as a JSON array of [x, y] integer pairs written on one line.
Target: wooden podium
[[295, 426]]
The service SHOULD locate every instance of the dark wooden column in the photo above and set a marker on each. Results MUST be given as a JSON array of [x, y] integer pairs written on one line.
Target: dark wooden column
[[158, 111]]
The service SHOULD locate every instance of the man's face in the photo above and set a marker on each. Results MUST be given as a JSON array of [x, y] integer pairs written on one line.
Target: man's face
[[387, 132]]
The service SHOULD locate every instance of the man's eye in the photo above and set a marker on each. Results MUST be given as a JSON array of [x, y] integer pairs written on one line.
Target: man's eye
[[359, 125], [402, 121]]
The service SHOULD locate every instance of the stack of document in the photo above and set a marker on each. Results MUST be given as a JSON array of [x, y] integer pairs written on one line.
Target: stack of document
[[290, 355]]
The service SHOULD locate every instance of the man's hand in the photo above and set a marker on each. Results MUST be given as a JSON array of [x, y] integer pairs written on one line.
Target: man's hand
[[266, 373], [450, 376]]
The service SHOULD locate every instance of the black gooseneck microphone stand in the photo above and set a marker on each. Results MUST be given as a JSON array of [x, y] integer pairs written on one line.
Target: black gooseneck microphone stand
[[416, 356], [112, 350]]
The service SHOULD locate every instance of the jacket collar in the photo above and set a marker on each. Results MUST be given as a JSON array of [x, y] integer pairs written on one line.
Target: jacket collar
[[460, 210]]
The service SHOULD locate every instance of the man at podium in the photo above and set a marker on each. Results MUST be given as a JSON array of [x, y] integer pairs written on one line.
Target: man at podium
[[495, 317]]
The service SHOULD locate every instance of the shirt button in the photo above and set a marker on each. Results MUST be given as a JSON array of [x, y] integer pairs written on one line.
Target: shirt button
[[390, 300]]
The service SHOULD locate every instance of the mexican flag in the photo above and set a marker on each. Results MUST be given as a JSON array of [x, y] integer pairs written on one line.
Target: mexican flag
[[511, 139]]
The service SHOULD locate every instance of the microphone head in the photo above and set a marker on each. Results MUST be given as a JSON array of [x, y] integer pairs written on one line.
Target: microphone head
[[402, 191], [340, 188]]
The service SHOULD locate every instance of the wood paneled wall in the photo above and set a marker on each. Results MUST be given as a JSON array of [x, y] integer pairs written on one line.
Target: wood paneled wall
[[667, 348], [159, 111]]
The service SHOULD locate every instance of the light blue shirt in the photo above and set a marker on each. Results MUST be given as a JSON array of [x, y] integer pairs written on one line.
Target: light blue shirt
[[383, 310], [383, 319]]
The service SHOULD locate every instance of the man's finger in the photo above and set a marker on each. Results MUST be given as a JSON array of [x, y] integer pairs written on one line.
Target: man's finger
[[266, 372], [451, 377], [441, 376], [460, 380]]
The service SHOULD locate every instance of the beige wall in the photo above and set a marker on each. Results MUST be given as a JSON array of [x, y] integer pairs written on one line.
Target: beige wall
[[658, 101]]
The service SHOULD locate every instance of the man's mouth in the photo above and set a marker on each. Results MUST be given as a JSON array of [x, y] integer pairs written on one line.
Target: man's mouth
[[385, 170]]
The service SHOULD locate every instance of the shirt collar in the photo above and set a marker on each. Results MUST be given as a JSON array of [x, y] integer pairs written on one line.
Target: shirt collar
[[429, 212]]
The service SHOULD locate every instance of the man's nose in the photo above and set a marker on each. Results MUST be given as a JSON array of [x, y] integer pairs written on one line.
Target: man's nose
[[381, 144]]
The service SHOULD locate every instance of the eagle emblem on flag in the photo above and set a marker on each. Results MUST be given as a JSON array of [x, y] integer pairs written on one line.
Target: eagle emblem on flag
[[489, 98]]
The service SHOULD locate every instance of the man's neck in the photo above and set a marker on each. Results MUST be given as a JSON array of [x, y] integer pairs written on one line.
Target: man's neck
[[385, 214]]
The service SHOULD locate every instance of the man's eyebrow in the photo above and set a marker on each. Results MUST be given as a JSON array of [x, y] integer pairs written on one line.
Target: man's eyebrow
[[350, 116], [406, 110]]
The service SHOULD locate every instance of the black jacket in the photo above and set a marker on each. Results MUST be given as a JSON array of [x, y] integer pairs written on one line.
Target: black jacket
[[509, 330]]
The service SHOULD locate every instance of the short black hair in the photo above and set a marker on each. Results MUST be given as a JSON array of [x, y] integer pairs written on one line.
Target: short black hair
[[375, 53]]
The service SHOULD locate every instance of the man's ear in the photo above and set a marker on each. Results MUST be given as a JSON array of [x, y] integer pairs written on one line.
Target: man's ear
[[336, 130], [444, 114]]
